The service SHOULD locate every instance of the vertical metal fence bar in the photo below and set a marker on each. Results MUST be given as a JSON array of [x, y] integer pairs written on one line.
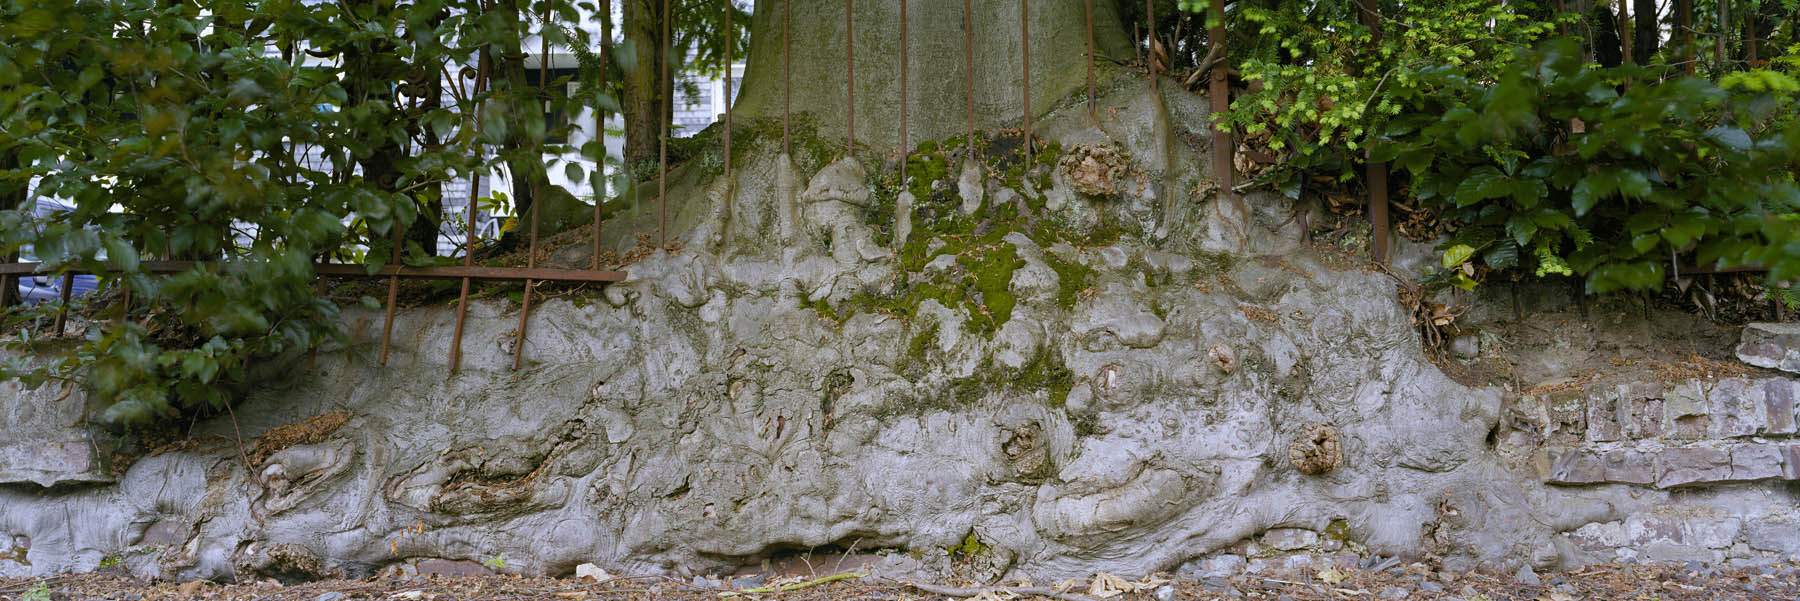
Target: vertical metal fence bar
[[905, 150], [312, 352], [787, 78], [62, 312], [1150, 46], [969, 69], [1025, 57], [663, 116], [600, 116], [729, 40], [850, 76], [1219, 92], [393, 295], [537, 195], [462, 298], [1090, 60]]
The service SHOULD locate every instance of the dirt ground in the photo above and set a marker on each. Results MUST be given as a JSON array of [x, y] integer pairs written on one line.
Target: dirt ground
[[1415, 581]]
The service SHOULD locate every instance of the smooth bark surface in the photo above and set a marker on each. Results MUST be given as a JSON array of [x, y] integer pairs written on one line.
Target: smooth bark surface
[[936, 95]]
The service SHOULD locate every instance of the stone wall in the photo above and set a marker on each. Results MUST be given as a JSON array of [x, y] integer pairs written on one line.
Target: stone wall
[[1717, 455]]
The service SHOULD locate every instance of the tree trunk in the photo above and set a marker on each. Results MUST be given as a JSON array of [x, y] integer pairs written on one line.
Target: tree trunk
[[1724, 31], [936, 98], [424, 229], [1606, 42], [1624, 24], [644, 97], [1646, 38], [521, 146], [1684, 31]]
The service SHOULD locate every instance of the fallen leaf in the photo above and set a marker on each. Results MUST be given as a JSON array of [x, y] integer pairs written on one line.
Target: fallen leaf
[[189, 588], [408, 595], [577, 595], [1330, 576], [1106, 586]]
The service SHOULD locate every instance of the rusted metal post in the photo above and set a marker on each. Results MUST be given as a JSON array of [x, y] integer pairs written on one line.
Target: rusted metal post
[[62, 312], [850, 76], [787, 75], [905, 150], [600, 114], [312, 353], [1025, 57], [1090, 60], [969, 69], [537, 197], [1150, 64], [393, 295], [462, 298], [1377, 173], [729, 40], [664, 116]]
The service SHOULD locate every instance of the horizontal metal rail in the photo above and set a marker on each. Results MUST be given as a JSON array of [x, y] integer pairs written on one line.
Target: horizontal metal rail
[[343, 270]]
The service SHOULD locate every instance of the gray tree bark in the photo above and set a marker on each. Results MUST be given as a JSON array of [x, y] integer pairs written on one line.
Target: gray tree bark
[[937, 96]]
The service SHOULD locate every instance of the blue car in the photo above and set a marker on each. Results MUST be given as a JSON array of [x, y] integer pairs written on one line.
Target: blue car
[[40, 288]]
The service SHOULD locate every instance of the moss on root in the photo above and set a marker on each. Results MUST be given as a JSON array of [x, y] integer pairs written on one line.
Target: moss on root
[[981, 282]]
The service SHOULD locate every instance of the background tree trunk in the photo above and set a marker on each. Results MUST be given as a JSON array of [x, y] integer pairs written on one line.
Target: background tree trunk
[[1646, 37], [644, 97], [936, 96]]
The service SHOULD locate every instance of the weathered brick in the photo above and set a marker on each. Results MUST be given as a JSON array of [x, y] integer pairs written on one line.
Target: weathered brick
[[1773, 534], [1567, 413], [1710, 533], [1576, 466], [1737, 408], [1645, 419], [1757, 462], [1685, 399], [1642, 529], [1685, 466], [1629, 467], [1772, 345], [1603, 416], [1686, 412], [1790, 469], [1689, 427], [1778, 405]]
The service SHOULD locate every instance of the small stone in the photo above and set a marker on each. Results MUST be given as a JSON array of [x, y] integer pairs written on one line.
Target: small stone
[[1165, 593], [331, 596], [1526, 576], [1465, 347], [1290, 539], [747, 582], [1771, 345], [1394, 593], [1215, 582]]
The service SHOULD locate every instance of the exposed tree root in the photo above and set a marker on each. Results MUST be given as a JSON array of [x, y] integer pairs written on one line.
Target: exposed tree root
[[951, 591]]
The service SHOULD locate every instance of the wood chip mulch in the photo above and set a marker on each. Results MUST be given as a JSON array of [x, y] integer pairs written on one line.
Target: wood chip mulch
[[1775, 582]]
